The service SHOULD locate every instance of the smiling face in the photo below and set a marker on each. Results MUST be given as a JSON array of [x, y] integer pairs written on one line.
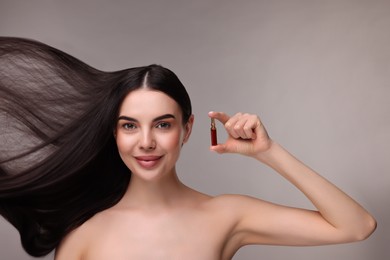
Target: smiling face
[[150, 133]]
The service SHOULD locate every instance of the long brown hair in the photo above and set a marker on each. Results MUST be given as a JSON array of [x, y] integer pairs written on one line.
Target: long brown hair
[[59, 163]]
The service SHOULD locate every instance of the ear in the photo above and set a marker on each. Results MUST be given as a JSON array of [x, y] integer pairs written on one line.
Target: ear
[[188, 129]]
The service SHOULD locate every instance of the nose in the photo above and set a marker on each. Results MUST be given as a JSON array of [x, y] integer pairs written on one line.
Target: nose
[[147, 140]]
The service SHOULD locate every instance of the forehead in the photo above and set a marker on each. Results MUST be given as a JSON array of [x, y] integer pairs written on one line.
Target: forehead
[[145, 102]]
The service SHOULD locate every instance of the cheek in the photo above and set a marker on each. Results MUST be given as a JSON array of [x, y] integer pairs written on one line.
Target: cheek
[[172, 141], [124, 144]]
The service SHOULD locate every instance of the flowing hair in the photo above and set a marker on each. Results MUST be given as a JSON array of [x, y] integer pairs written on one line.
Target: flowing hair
[[59, 163]]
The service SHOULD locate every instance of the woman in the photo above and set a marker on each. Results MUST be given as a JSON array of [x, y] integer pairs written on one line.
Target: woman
[[70, 187]]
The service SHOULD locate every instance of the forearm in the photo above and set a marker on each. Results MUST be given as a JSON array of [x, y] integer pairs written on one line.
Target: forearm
[[336, 207]]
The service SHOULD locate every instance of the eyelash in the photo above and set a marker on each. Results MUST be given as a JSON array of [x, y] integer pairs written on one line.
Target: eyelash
[[129, 126], [163, 125], [160, 125]]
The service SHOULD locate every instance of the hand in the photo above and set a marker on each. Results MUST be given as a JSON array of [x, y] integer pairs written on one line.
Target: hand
[[247, 134]]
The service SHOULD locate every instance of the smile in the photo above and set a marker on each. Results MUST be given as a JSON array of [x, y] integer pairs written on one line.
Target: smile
[[148, 161]]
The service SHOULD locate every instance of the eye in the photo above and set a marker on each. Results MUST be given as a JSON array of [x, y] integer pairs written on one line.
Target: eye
[[163, 125], [129, 126]]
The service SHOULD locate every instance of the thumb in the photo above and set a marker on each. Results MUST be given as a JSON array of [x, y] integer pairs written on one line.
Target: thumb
[[219, 148]]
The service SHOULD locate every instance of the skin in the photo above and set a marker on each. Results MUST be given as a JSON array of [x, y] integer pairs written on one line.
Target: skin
[[161, 218]]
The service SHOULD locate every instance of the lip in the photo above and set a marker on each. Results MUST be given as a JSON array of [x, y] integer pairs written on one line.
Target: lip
[[148, 161]]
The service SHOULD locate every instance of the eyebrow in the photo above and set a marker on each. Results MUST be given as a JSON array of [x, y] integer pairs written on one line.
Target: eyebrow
[[154, 120]]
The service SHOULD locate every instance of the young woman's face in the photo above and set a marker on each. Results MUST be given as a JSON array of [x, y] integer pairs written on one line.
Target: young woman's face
[[150, 132]]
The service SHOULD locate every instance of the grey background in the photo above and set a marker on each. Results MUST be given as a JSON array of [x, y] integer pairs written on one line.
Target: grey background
[[317, 72]]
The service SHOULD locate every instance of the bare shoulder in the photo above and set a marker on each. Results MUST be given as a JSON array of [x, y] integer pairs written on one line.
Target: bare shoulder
[[235, 207], [230, 210], [236, 201], [75, 244]]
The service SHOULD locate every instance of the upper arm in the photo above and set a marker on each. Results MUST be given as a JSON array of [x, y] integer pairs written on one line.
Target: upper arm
[[261, 222], [72, 246]]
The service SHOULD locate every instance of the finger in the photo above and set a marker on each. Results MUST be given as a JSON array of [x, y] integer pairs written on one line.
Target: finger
[[246, 126], [220, 116], [219, 148], [250, 127], [240, 126], [231, 126]]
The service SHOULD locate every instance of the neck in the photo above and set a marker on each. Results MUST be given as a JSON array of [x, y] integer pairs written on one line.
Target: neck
[[154, 194]]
